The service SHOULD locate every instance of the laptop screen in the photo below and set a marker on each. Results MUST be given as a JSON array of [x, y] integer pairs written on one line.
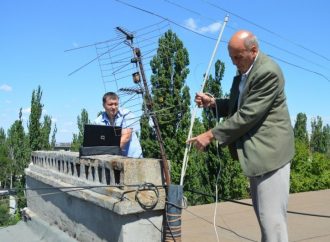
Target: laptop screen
[[101, 135]]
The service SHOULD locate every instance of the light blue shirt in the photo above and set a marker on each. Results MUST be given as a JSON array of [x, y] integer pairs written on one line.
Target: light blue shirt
[[125, 119], [243, 81]]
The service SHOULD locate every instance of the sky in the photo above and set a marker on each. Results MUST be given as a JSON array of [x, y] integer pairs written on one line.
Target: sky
[[55, 45]]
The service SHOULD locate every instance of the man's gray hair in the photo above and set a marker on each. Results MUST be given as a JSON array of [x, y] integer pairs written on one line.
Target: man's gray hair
[[251, 41]]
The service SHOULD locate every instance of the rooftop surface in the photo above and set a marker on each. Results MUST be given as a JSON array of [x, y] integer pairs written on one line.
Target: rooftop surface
[[234, 222]]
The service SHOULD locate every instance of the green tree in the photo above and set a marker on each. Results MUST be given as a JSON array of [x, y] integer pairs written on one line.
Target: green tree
[[14, 155], [77, 140], [326, 138], [35, 133], [5, 218], [300, 128], [2, 136], [318, 142], [300, 167], [4, 159], [320, 170], [45, 132], [53, 141], [4, 212], [309, 173], [170, 100], [19, 150]]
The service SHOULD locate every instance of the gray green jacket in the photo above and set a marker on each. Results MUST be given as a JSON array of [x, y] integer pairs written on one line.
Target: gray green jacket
[[259, 132]]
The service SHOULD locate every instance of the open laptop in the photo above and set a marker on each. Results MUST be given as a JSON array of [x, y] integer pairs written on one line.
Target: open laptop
[[100, 140]]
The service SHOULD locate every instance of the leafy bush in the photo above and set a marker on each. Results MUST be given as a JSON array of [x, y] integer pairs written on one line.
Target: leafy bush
[[309, 172]]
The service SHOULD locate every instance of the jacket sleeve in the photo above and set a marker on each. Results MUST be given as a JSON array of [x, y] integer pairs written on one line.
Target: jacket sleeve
[[222, 108], [262, 91]]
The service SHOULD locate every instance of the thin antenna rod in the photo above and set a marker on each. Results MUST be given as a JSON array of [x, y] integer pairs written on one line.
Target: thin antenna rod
[[188, 146]]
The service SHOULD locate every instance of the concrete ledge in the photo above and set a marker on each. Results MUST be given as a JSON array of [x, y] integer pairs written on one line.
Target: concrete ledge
[[86, 221], [126, 204], [55, 171]]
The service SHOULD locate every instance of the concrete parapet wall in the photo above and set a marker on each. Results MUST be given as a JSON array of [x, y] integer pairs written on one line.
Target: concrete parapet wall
[[97, 198]]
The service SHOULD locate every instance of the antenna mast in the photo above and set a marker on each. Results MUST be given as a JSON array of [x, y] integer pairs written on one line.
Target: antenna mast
[[206, 76], [137, 59]]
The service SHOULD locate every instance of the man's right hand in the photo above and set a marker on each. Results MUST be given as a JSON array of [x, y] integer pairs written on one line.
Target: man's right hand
[[202, 140]]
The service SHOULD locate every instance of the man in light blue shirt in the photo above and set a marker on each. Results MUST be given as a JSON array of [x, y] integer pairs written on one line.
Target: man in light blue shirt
[[115, 116]]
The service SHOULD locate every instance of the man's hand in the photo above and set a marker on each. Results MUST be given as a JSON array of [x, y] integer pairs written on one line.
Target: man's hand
[[125, 137], [202, 140], [204, 100]]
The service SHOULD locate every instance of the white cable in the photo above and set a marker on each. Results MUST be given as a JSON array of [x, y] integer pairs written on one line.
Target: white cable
[[215, 212], [218, 175]]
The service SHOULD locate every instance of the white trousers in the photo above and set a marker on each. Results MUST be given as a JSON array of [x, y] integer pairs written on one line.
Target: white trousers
[[270, 194]]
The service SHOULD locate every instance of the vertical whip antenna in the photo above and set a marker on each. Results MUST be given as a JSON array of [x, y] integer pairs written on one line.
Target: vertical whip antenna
[[188, 146]]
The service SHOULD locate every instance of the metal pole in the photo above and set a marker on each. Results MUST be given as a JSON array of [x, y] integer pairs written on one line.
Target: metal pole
[[137, 54]]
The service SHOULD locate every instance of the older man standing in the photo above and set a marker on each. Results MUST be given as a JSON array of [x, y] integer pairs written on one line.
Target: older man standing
[[258, 131]]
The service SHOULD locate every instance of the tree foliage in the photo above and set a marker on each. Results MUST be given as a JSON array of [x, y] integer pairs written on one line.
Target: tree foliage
[[34, 126], [19, 154], [326, 139], [45, 130], [310, 168], [320, 137], [309, 172], [5, 162], [300, 128], [53, 140], [77, 140], [19, 150], [316, 136], [38, 132], [170, 100], [5, 218], [15, 149]]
